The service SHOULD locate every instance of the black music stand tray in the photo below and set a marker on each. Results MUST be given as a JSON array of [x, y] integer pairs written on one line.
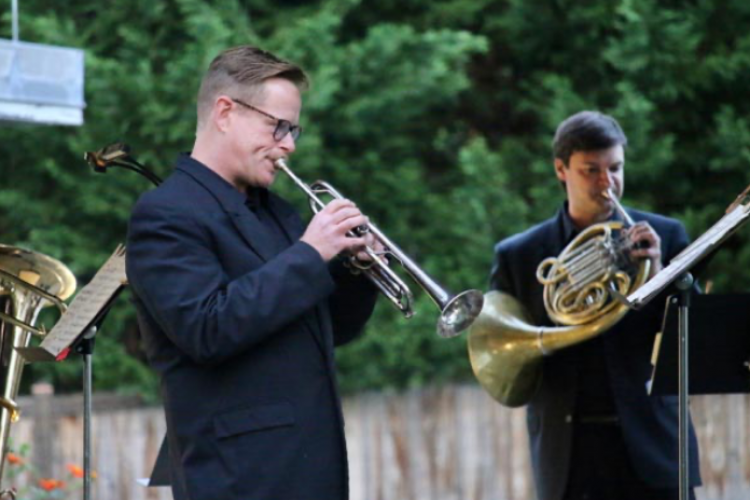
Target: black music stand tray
[[719, 356], [678, 273]]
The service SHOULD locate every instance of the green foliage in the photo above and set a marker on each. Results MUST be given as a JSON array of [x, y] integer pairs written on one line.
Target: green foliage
[[436, 117]]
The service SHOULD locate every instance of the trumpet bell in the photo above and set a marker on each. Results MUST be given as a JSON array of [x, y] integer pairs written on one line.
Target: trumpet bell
[[460, 312]]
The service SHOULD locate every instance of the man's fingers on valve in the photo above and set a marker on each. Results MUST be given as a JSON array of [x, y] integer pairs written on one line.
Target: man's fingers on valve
[[363, 255], [351, 223], [342, 216], [339, 204], [372, 244], [643, 237], [356, 247]]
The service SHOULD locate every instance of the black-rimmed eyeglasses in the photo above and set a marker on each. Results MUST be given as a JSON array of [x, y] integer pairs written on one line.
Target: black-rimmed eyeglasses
[[283, 127]]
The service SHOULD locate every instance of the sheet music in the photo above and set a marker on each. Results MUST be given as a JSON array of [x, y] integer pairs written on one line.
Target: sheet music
[[691, 255], [89, 302]]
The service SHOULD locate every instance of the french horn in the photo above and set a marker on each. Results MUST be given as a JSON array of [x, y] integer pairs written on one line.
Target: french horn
[[581, 285]]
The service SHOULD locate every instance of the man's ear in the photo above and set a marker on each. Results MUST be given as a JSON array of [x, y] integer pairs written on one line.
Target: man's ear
[[561, 170], [220, 114]]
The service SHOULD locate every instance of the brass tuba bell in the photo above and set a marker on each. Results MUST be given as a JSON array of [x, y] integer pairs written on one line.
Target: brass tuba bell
[[29, 281], [580, 288]]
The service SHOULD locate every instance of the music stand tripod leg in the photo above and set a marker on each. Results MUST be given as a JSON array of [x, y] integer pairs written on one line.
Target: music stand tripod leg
[[684, 285], [86, 349]]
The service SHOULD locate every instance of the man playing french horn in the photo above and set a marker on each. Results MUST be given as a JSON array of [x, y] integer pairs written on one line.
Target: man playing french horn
[[594, 431], [240, 305]]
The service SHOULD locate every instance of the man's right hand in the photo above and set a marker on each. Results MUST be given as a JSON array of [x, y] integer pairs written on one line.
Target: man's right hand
[[327, 230]]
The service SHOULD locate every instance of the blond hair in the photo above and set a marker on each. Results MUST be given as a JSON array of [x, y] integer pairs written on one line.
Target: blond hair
[[240, 72]]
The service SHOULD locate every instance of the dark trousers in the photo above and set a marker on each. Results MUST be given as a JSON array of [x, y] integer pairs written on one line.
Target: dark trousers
[[600, 468]]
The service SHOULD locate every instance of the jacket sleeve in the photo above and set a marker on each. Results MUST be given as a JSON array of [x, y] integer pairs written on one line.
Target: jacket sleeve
[[676, 242], [500, 275], [352, 303], [175, 271]]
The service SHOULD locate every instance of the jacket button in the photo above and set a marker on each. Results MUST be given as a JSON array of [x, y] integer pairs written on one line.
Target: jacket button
[[568, 418]]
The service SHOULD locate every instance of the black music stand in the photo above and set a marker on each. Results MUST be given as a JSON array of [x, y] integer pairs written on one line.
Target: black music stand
[[719, 354], [720, 351], [678, 273], [118, 155], [83, 345], [75, 332]]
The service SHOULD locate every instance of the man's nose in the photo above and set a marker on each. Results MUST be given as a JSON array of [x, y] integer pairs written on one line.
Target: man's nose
[[288, 144], [607, 179]]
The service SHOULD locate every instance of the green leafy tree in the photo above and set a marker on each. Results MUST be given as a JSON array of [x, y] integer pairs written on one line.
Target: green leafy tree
[[436, 117]]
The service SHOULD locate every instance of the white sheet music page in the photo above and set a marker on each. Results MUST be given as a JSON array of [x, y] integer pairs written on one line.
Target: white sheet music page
[[691, 255], [89, 302]]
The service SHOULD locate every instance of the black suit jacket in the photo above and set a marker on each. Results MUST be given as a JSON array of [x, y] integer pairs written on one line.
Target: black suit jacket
[[241, 324], [649, 424]]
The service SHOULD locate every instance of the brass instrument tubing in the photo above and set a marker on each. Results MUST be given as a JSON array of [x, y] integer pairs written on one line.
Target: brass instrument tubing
[[583, 259], [610, 195], [457, 311], [35, 289], [592, 266]]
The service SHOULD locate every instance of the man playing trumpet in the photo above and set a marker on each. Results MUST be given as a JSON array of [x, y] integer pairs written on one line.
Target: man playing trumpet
[[240, 304], [594, 431]]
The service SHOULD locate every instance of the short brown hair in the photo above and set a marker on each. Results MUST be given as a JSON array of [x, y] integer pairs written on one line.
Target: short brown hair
[[240, 71], [586, 131]]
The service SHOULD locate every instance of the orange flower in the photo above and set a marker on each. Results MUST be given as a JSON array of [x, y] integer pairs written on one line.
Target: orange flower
[[14, 459], [75, 471], [48, 484], [78, 472]]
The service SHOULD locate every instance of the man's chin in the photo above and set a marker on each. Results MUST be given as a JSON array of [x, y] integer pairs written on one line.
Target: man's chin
[[603, 211], [606, 205], [267, 182], [271, 177]]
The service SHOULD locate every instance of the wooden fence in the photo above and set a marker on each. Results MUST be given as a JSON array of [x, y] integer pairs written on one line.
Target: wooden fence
[[452, 443]]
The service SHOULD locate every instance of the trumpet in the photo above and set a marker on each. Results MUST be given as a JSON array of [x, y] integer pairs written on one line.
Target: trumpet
[[457, 312]]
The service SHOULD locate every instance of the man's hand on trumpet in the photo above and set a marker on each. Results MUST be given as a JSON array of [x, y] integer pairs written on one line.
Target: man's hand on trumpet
[[327, 231], [374, 244]]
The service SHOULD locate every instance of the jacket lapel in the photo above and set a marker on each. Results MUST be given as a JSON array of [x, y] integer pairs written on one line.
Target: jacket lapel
[[258, 238], [253, 232], [287, 217], [318, 322], [233, 203]]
